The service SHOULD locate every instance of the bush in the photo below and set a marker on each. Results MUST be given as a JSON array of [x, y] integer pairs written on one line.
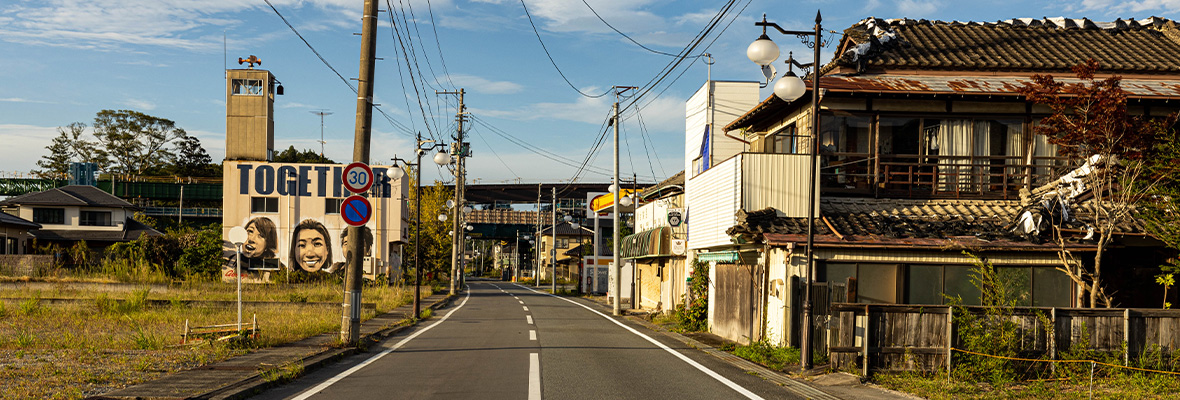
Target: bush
[[777, 358], [693, 314]]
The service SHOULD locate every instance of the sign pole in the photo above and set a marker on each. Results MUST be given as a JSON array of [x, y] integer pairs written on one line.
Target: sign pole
[[351, 320]]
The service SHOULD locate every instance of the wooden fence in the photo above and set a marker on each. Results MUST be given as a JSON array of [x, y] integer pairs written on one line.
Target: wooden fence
[[907, 337]]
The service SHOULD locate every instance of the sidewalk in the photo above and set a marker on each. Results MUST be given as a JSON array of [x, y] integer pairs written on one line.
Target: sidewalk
[[831, 386], [241, 377]]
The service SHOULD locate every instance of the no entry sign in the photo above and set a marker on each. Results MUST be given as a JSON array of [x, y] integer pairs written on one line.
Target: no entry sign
[[356, 210], [357, 177]]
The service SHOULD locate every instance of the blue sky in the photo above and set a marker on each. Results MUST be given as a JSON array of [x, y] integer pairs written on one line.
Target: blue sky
[[61, 61]]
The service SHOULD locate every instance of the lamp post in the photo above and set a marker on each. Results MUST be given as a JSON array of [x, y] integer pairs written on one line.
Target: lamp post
[[238, 236], [789, 88], [441, 158]]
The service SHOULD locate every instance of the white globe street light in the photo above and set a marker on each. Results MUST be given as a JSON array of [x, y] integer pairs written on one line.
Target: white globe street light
[[442, 158], [613, 188], [396, 173], [626, 201], [763, 51], [442, 218], [789, 88]]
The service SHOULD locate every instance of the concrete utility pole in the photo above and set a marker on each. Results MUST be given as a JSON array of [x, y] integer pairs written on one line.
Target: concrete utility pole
[[553, 251], [354, 253], [618, 269], [540, 234], [460, 176]]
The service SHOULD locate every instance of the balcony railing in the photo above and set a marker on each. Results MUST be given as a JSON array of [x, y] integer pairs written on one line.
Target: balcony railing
[[917, 176]]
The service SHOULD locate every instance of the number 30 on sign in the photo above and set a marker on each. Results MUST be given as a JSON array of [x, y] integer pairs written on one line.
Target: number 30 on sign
[[357, 177]]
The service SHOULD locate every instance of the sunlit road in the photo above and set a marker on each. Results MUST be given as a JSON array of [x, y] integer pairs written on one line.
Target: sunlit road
[[503, 341]]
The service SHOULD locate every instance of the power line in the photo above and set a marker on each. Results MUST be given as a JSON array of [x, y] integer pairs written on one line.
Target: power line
[[625, 35], [405, 131], [567, 81]]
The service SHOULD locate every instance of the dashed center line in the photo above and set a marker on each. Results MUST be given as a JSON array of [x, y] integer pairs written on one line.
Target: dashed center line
[[532, 335], [526, 308], [529, 318]]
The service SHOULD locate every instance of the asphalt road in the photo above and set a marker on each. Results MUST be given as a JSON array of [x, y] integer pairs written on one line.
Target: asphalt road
[[503, 341]]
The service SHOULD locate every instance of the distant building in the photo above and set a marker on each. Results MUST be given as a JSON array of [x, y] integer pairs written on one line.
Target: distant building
[[291, 212], [70, 214]]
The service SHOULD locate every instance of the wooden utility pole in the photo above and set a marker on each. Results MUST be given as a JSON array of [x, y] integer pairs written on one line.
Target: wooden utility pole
[[354, 253]]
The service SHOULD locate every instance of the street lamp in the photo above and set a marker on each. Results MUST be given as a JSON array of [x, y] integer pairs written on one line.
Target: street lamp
[[790, 88], [442, 158], [238, 236]]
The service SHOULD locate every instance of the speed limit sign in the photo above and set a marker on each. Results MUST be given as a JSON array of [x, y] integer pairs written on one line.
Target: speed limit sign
[[357, 177]]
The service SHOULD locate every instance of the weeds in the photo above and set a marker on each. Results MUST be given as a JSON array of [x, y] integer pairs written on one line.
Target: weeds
[[777, 358], [282, 373]]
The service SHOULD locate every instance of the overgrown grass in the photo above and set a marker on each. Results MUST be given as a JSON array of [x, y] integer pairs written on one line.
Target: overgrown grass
[[773, 357], [111, 340], [1126, 386]]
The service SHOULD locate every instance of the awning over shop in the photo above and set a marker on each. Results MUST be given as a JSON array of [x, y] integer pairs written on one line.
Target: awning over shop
[[725, 257], [650, 243], [604, 202]]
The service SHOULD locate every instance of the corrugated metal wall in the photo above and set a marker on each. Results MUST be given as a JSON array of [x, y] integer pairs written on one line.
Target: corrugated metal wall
[[712, 199], [777, 180]]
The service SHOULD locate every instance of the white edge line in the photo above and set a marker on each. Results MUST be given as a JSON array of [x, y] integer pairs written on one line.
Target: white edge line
[[318, 388], [534, 376], [682, 357]]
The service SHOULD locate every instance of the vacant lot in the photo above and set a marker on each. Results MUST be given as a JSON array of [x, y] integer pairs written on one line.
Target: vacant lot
[[110, 339]]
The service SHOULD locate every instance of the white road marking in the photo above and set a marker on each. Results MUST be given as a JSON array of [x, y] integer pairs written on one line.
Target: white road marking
[[529, 318], [526, 308], [534, 376], [532, 335], [521, 301], [318, 388], [725, 381]]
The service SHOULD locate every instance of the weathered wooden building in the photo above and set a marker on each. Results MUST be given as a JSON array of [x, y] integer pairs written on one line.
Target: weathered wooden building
[[924, 147]]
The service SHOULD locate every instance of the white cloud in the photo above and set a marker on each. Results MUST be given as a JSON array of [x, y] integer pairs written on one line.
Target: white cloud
[[1115, 7], [587, 110], [871, 5], [23, 100], [23, 146], [917, 8], [117, 24], [140, 105], [482, 85]]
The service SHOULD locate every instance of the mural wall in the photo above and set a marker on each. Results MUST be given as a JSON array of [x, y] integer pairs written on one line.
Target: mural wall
[[291, 213]]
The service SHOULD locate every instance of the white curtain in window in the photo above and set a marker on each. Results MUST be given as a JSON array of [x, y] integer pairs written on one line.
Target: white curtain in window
[[953, 146]]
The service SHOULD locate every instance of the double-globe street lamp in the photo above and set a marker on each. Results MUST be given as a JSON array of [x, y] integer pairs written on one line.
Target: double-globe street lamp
[[441, 158], [790, 88]]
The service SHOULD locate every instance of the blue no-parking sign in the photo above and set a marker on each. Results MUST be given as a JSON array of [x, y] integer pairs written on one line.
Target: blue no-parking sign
[[356, 210]]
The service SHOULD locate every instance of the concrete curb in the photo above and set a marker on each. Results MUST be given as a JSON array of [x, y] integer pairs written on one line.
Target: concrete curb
[[256, 384]]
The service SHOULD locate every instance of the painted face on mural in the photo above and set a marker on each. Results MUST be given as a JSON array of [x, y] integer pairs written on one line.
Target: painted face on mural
[[255, 242], [312, 250]]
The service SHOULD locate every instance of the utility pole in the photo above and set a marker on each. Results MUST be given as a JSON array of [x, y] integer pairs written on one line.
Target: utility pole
[[553, 251], [540, 234], [354, 253], [456, 235], [618, 269], [321, 113]]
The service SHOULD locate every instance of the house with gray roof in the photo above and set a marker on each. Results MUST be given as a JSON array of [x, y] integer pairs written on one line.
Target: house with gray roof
[[69, 214], [926, 150]]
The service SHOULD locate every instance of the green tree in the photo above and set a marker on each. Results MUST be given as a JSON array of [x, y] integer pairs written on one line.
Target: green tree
[[1090, 120], [69, 146], [435, 241], [290, 155], [192, 160], [134, 142]]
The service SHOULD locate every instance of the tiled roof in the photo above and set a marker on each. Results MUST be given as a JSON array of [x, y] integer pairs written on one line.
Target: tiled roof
[[913, 222], [15, 221], [73, 195], [1049, 44]]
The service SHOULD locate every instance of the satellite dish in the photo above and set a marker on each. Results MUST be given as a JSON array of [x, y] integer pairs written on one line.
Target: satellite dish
[[237, 235]]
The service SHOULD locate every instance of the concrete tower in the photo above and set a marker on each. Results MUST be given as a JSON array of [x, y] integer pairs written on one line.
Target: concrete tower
[[249, 112]]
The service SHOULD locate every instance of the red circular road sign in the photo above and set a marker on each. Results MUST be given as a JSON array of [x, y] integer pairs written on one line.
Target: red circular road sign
[[356, 210], [357, 177]]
